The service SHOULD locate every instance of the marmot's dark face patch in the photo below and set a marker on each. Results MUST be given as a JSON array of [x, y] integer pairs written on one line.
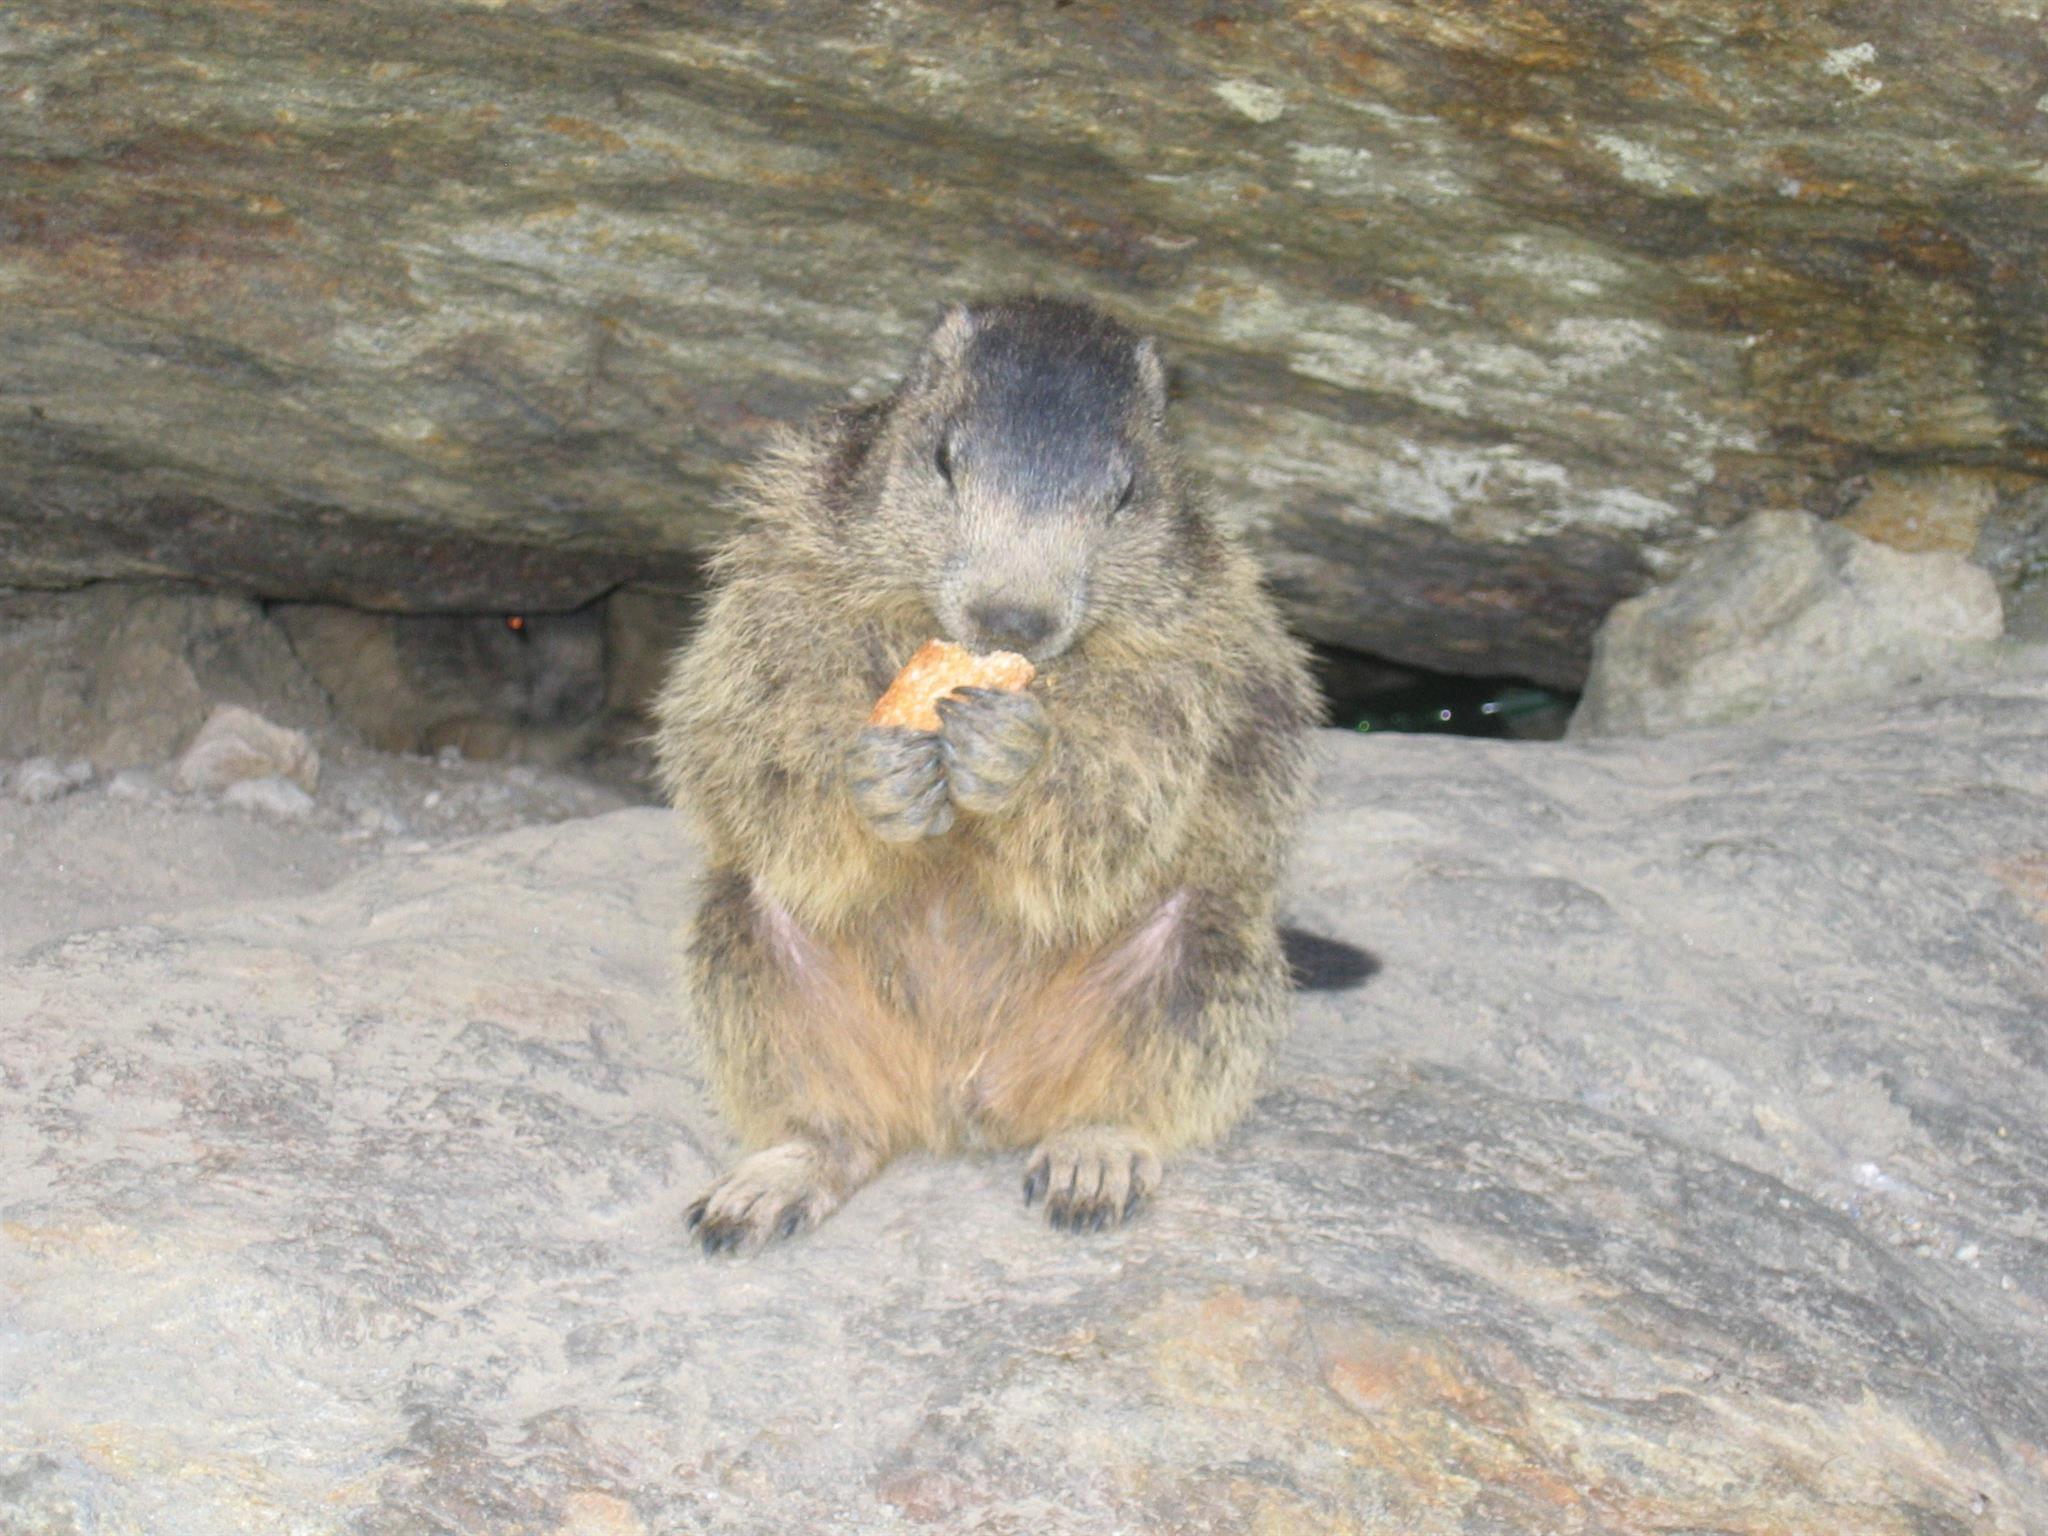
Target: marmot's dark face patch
[[1048, 429], [1027, 480]]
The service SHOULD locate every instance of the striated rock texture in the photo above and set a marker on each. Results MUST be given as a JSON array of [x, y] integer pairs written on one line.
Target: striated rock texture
[[1681, 1169], [1780, 613], [1483, 312]]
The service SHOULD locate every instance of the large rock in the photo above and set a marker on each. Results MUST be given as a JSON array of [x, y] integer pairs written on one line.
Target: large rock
[[1680, 1169], [1784, 612], [238, 746], [1483, 314]]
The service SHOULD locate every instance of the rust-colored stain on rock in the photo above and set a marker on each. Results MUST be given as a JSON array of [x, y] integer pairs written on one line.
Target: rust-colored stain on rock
[[1441, 1439], [583, 132], [2025, 876]]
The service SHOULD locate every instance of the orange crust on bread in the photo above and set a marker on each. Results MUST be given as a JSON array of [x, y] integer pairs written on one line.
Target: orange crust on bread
[[935, 671]]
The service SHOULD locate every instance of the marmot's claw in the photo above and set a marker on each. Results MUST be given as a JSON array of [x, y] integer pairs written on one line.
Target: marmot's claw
[[721, 1231], [991, 739], [1091, 1177], [721, 1237], [766, 1197]]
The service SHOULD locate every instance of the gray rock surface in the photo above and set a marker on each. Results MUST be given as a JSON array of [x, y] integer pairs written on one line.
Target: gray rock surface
[[135, 851], [1483, 313], [1784, 612], [1681, 1169]]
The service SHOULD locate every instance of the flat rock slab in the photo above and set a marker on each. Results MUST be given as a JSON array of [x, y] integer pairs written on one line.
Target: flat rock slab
[[1682, 1168]]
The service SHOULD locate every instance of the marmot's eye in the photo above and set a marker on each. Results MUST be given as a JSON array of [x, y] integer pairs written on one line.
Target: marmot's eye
[[943, 458], [1123, 497]]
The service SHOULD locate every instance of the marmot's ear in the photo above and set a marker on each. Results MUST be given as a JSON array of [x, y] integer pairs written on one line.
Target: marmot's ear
[[1152, 379], [945, 348]]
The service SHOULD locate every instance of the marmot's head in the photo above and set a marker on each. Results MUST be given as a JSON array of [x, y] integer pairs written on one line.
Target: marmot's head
[[1025, 484]]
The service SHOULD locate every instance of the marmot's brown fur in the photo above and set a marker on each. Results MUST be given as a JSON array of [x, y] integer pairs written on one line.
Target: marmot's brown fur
[[1051, 923]]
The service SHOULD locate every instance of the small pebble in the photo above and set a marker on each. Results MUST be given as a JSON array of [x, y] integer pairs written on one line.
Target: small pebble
[[136, 784], [42, 779], [380, 821], [271, 796]]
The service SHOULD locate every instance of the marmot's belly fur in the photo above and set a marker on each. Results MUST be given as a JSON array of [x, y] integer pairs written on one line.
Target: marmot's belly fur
[[928, 1026], [1050, 923]]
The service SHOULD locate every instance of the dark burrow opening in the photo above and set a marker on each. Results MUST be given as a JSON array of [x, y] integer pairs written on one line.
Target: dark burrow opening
[[1371, 694]]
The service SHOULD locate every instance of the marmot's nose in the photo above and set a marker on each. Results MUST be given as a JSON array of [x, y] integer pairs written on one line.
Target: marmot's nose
[[1011, 628]]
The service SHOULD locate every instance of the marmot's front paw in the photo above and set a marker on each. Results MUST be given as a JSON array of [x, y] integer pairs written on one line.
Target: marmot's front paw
[[1091, 1177], [898, 781], [992, 739]]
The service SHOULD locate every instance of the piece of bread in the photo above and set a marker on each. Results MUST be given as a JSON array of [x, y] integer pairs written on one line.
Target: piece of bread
[[935, 671]]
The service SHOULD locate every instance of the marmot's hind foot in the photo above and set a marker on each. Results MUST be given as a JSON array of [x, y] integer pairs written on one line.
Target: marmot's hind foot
[[1091, 1177], [772, 1195]]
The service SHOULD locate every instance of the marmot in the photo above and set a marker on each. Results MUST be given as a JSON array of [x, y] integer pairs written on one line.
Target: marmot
[[1049, 924]]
